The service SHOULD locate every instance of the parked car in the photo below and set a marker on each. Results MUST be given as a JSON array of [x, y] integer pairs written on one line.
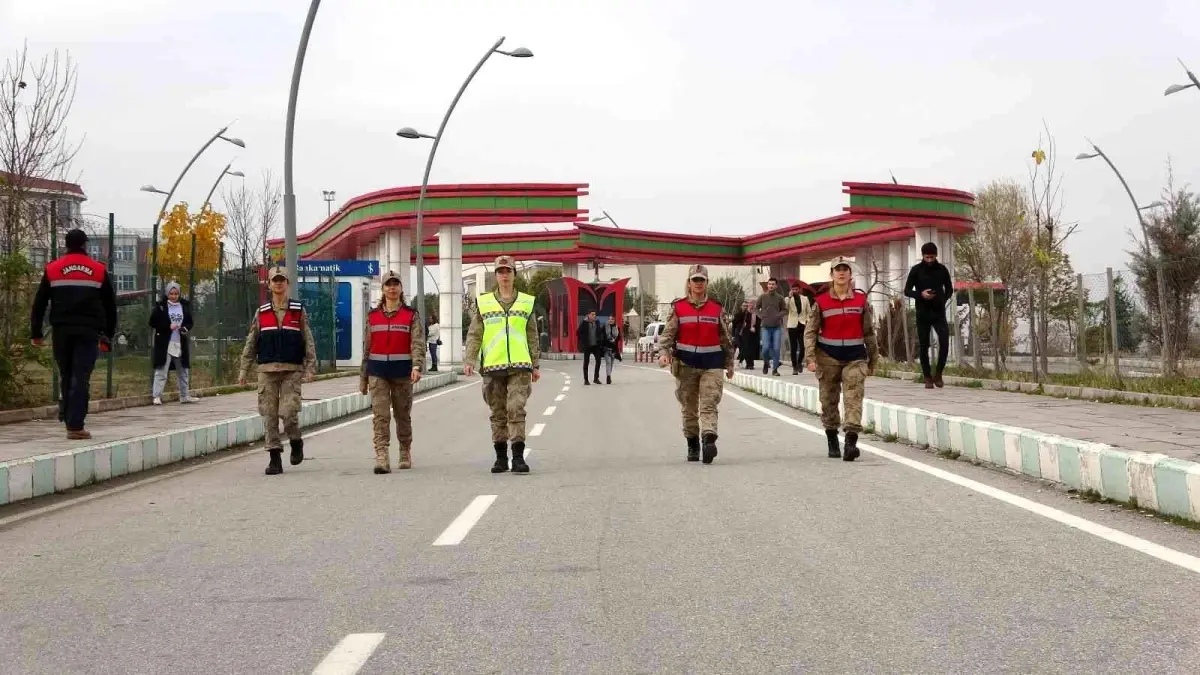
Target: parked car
[[649, 341]]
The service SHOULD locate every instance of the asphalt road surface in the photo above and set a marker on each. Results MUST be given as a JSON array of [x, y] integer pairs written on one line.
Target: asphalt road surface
[[614, 555]]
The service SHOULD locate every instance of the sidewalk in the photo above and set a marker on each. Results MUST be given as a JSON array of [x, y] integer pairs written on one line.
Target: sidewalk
[[37, 459]]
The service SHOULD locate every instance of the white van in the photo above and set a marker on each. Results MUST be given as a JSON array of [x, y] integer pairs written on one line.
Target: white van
[[649, 341]]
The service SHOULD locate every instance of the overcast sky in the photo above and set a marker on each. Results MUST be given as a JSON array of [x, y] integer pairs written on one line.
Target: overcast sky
[[689, 116]]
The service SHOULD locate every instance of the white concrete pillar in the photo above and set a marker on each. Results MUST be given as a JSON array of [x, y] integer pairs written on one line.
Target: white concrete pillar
[[450, 305], [880, 275], [570, 270], [392, 243], [897, 270], [946, 255], [373, 250], [403, 263], [862, 264]]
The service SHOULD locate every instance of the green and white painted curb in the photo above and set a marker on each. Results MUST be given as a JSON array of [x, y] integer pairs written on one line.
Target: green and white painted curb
[[1151, 481], [31, 477], [560, 356]]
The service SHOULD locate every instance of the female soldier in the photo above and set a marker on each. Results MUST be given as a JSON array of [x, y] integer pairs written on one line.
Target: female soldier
[[394, 345]]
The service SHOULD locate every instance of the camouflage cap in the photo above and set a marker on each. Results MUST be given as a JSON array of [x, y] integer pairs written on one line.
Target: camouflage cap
[[697, 271], [277, 271], [841, 261], [389, 275], [505, 261]]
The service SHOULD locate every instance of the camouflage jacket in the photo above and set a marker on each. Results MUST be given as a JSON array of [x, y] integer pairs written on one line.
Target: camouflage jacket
[[670, 332], [475, 334], [250, 351], [416, 331], [812, 329]]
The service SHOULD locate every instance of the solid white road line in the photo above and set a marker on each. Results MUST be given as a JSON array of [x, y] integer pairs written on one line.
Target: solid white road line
[[236, 455], [465, 521], [559, 397], [350, 654], [537, 429], [550, 411], [1177, 558]]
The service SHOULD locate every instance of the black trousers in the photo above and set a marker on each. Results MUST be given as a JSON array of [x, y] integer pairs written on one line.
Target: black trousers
[[76, 356], [938, 325], [796, 342], [589, 354]]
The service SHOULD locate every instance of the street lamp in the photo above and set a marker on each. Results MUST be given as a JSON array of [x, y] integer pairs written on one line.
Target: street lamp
[[328, 196], [289, 196], [1180, 87], [638, 268], [1137, 209], [169, 193], [225, 172], [410, 133]]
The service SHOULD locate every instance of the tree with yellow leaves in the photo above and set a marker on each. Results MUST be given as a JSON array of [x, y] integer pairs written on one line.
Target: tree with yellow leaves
[[175, 248]]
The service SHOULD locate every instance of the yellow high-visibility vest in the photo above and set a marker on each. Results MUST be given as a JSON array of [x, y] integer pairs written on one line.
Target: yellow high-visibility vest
[[504, 344]]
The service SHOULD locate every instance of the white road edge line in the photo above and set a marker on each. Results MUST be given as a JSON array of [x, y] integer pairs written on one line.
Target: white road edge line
[[559, 397], [350, 654], [454, 534], [537, 429], [1168, 555], [237, 454], [550, 411]]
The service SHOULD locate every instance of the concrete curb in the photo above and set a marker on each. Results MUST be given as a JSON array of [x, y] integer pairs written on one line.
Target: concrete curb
[[99, 405], [31, 477], [561, 356], [1065, 391], [1150, 481]]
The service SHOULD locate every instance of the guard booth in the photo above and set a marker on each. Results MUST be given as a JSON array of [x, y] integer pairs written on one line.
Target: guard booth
[[336, 296], [572, 299]]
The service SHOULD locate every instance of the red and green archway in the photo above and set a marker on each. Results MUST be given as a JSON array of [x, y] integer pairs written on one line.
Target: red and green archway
[[877, 213]]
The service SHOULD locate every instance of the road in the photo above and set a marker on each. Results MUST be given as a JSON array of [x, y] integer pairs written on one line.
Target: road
[[613, 556]]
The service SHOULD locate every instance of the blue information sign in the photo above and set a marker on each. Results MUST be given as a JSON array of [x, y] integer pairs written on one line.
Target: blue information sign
[[340, 268]]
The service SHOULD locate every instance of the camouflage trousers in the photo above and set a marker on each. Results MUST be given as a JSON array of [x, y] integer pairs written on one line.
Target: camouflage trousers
[[837, 379], [506, 394], [391, 396], [698, 391], [279, 399]]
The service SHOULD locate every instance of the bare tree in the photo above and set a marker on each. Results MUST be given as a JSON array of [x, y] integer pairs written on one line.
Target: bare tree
[[241, 224], [36, 97], [1001, 248], [268, 200], [1050, 236]]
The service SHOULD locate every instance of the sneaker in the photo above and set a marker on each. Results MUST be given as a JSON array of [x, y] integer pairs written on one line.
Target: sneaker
[[937, 381], [157, 400]]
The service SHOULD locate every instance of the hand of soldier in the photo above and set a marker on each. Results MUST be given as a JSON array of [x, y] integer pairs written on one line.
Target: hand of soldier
[[242, 380], [308, 377], [812, 366], [537, 374], [664, 361], [362, 387], [729, 373], [415, 376], [468, 370]]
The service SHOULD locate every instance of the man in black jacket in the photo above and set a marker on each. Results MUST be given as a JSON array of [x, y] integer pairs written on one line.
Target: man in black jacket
[[591, 344], [83, 313], [930, 286]]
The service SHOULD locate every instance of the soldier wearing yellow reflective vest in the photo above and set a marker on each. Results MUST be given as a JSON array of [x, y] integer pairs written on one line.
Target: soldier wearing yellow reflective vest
[[503, 341]]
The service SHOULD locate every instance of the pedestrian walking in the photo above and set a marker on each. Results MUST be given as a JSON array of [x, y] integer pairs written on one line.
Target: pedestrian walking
[[798, 309], [930, 286], [591, 343], [611, 340], [697, 344], [771, 309], [171, 320], [435, 341], [281, 343], [839, 339], [393, 343], [83, 320], [502, 341]]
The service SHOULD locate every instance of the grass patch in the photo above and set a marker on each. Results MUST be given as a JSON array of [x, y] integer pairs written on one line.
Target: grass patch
[[1167, 386]]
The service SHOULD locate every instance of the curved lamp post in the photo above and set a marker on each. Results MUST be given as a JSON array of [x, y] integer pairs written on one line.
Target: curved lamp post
[[225, 172], [409, 132], [289, 195], [167, 200], [1175, 88]]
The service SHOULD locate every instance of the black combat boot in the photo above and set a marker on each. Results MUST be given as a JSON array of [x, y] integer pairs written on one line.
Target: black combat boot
[[275, 466], [297, 451], [501, 464], [693, 444], [518, 458], [832, 436], [710, 448], [851, 447]]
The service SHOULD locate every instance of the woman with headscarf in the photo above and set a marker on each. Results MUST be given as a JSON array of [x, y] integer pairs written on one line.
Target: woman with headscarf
[[171, 320]]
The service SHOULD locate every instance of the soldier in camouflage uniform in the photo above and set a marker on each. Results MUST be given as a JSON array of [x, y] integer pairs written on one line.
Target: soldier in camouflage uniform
[[281, 344], [394, 355], [503, 340], [699, 337], [839, 341]]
